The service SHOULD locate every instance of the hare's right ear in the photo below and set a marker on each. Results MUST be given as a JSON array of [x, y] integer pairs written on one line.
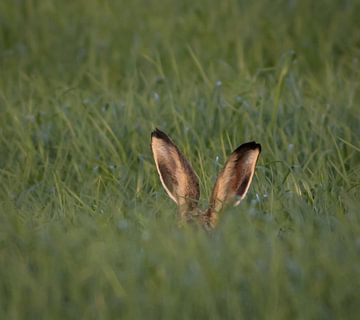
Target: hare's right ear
[[176, 174]]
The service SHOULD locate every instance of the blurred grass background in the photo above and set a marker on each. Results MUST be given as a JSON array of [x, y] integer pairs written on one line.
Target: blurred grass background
[[86, 231]]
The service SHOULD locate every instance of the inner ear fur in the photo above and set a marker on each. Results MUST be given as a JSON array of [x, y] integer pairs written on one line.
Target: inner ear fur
[[234, 180], [175, 172]]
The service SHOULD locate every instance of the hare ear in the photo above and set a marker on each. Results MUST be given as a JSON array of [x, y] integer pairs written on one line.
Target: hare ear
[[176, 174], [235, 178]]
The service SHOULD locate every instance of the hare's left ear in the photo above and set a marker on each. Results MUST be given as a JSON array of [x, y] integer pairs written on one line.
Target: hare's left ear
[[234, 180], [176, 174]]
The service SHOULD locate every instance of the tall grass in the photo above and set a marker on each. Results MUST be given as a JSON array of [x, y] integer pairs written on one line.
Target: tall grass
[[86, 230]]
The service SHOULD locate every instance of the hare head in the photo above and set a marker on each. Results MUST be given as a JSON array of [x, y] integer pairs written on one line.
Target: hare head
[[182, 185]]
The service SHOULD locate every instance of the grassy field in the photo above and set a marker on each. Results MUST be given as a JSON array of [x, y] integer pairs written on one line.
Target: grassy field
[[86, 230]]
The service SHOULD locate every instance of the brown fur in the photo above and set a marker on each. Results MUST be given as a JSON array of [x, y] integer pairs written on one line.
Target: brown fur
[[182, 186]]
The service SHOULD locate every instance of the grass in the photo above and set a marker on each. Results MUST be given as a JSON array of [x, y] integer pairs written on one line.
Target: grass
[[86, 231]]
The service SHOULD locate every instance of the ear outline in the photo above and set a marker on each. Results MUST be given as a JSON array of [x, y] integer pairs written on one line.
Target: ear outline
[[176, 174], [235, 178]]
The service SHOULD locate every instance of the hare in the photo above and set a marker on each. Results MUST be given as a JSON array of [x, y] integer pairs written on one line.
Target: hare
[[182, 185]]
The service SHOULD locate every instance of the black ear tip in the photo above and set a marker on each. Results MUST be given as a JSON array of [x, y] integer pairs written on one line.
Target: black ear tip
[[249, 146], [255, 145], [157, 133]]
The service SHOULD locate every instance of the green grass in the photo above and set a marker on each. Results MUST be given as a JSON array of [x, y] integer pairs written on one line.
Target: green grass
[[86, 230]]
